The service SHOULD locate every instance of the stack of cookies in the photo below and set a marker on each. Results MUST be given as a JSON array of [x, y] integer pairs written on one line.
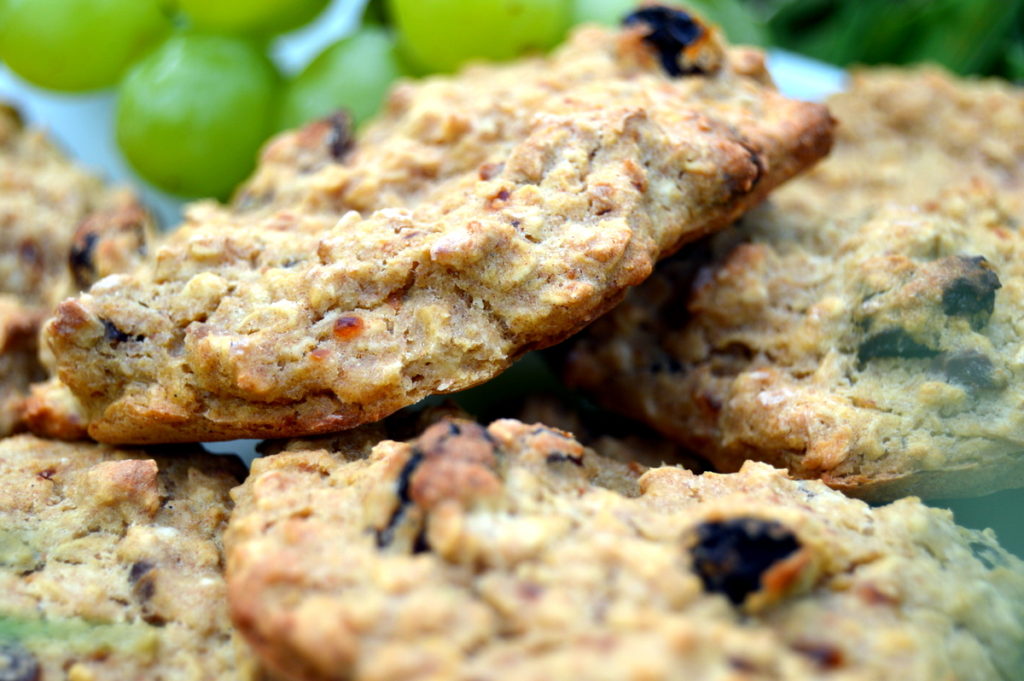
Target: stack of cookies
[[855, 335]]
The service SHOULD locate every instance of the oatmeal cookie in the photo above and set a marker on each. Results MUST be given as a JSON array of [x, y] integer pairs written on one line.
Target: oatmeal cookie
[[865, 330], [19, 362], [62, 230], [905, 133], [482, 216], [513, 552], [878, 354], [111, 565]]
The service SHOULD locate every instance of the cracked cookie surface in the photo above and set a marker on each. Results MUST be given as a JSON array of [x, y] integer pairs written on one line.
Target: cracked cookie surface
[[483, 215], [513, 552], [864, 328], [111, 565]]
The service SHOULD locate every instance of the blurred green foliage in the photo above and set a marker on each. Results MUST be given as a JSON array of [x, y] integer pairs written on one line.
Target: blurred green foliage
[[967, 36]]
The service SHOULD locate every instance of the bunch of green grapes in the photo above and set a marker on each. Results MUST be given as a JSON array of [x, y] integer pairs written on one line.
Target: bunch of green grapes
[[196, 93]]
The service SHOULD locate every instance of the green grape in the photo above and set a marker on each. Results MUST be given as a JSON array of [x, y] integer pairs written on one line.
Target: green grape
[[192, 114], [738, 23], [440, 35], [76, 45], [354, 73], [251, 17]]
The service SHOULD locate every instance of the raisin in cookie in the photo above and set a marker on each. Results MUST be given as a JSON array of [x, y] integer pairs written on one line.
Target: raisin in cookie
[[111, 565], [866, 329], [513, 552], [62, 230], [482, 216]]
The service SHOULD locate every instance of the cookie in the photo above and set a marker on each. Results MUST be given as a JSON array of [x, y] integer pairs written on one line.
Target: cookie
[[62, 231], [63, 228], [513, 552], [482, 216], [904, 134], [19, 364], [111, 564], [862, 329]]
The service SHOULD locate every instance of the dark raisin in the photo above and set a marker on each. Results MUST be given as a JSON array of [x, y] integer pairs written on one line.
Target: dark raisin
[[420, 544], [558, 457], [987, 555], [80, 259], [116, 335], [142, 579], [731, 555], [29, 253], [17, 663], [973, 294], [138, 569], [893, 343], [387, 535], [971, 369], [154, 619], [755, 159], [339, 139], [667, 364], [669, 32]]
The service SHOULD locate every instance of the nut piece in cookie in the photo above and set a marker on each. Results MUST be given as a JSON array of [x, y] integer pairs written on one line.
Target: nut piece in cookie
[[111, 564], [483, 215], [516, 553]]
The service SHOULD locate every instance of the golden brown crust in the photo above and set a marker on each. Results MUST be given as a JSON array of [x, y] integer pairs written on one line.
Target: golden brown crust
[[482, 216], [50, 410]]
